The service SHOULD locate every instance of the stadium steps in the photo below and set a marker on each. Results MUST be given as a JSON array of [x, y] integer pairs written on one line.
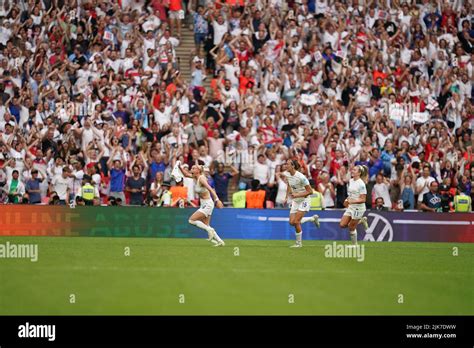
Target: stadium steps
[[185, 52], [233, 187]]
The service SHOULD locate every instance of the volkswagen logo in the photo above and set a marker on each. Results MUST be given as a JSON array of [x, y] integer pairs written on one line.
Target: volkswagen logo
[[379, 227]]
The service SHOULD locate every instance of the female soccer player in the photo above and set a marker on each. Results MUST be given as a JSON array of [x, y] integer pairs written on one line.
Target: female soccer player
[[299, 191], [202, 217], [355, 203]]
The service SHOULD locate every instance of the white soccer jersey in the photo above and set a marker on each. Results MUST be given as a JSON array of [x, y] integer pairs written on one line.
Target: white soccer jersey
[[356, 189], [297, 182]]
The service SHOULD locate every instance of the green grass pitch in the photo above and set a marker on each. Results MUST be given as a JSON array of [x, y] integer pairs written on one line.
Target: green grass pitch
[[263, 279]]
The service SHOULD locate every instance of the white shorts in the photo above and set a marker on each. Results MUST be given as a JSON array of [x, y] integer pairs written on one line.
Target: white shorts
[[176, 14], [207, 206], [300, 206], [355, 212]]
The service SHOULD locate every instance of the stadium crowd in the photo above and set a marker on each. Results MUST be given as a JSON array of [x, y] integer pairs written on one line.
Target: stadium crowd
[[94, 108]]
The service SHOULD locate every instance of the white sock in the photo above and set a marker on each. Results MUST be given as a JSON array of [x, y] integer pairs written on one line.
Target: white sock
[[361, 221], [216, 237], [298, 237], [306, 219], [201, 225], [353, 237]]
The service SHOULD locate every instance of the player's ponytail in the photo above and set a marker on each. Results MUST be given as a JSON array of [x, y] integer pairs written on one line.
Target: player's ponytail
[[364, 172], [296, 164]]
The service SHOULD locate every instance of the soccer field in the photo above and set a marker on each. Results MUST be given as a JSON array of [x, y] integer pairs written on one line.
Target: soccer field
[[189, 276]]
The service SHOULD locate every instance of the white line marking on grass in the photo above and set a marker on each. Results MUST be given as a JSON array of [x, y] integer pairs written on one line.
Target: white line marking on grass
[[430, 222]]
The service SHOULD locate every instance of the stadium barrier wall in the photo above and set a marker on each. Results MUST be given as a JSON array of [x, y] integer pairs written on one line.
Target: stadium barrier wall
[[22, 220]]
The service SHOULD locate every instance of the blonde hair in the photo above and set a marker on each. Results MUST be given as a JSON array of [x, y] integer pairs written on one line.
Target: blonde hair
[[200, 166], [364, 172]]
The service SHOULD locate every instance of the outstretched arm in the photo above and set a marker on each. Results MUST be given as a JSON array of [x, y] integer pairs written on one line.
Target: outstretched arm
[[185, 172]]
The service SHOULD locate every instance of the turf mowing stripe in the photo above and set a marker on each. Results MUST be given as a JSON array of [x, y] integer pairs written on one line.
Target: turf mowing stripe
[[241, 270], [216, 281]]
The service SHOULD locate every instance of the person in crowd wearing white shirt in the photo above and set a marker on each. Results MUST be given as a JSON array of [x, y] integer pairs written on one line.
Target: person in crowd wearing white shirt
[[261, 171], [15, 188], [274, 87], [423, 183], [326, 188], [62, 185], [382, 189], [220, 26]]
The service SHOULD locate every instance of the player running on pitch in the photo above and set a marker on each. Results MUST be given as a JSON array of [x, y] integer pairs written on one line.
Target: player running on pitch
[[299, 191], [202, 217], [355, 203]]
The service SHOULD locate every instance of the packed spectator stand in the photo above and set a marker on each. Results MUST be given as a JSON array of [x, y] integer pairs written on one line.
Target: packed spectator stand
[[92, 92]]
